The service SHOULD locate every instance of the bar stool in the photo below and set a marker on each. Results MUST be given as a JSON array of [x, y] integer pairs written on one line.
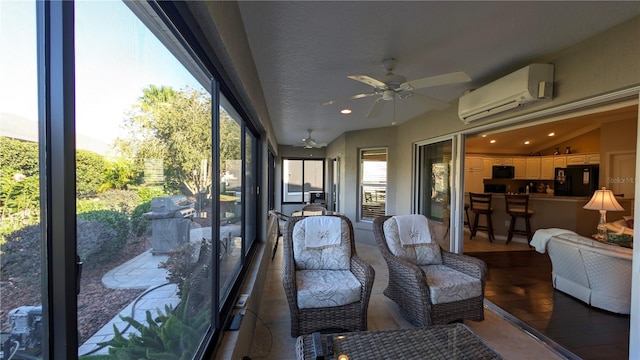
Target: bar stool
[[517, 206], [480, 204], [466, 216]]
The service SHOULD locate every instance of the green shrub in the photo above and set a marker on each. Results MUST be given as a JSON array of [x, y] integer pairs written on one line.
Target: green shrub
[[115, 220], [19, 201], [89, 204], [17, 156], [182, 262], [146, 193], [120, 200], [90, 170], [21, 252], [96, 242], [123, 201], [140, 224]]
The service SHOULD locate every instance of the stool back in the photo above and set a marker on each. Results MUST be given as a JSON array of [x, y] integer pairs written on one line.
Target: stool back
[[480, 202], [516, 203]]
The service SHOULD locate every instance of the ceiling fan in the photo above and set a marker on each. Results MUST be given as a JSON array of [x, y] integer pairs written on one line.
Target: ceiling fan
[[311, 143], [392, 85]]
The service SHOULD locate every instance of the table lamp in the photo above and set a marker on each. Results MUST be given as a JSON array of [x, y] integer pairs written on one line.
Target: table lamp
[[603, 200]]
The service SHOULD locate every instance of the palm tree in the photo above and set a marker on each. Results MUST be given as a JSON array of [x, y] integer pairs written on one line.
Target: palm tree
[[154, 95]]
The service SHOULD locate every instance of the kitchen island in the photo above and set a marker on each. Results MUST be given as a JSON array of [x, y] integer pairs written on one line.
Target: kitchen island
[[551, 211]]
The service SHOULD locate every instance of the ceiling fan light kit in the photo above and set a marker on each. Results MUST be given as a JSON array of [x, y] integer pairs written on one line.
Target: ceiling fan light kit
[[392, 85]]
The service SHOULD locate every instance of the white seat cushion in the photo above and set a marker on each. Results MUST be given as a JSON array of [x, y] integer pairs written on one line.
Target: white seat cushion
[[422, 254], [448, 285], [326, 288], [328, 258]]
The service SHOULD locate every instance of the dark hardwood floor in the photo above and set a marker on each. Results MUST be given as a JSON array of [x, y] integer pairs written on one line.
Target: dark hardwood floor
[[519, 282]]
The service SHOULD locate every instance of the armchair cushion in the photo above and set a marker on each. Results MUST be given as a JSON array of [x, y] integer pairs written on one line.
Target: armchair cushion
[[449, 285], [326, 258], [420, 254], [326, 288]]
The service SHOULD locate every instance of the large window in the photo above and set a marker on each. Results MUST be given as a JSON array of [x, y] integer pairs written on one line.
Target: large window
[[300, 178], [373, 183], [111, 222], [144, 202]]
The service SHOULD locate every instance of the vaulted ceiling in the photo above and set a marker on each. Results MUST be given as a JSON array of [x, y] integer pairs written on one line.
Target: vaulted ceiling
[[304, 51]]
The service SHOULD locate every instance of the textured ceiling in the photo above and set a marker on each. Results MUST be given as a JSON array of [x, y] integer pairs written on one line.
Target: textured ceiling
[[304, 51]]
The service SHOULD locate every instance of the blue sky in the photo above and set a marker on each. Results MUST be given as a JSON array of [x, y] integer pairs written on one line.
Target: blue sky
[[116, 57]]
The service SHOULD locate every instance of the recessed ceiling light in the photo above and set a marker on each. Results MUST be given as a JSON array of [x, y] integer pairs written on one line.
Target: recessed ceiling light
[[345, 111], [492, 141], [551, 134], [527, 142]]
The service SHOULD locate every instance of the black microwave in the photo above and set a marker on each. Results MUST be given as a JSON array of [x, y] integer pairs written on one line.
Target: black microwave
[[503, 172]]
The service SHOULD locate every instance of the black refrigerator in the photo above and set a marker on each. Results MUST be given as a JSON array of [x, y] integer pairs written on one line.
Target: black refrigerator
[[576, 180]]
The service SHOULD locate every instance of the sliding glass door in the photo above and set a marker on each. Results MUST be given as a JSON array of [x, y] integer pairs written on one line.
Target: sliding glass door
[[434, 190]]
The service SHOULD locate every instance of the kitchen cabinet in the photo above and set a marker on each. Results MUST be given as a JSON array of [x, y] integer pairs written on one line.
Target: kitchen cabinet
[[507, 161], [547, 169], [487, 167], [593, 159], [473, 176], [559, 161], [519, 168], [532, 168], [583, 159]]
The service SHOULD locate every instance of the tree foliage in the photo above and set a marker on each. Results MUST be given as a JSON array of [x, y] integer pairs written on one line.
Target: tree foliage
[[175, 126], [90, 172], [119, 174]]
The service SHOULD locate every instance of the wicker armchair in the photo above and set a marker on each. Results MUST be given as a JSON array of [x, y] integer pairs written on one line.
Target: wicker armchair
[[282, 220], [422, 300], [333, 307]]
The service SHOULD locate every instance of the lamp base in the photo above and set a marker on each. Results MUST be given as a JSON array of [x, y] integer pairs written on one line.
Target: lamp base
[[601, 235]]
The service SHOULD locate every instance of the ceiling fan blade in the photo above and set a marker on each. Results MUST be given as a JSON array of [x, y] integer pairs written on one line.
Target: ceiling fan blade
[[434, 103], [368, 80], [375, 108], [357, 96], [444, 79]]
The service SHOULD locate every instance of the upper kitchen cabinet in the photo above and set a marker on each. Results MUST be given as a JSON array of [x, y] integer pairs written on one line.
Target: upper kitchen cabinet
[[532, 168], [583, 159], [519, 166], [547, 169], [559, 161], [487, 167]]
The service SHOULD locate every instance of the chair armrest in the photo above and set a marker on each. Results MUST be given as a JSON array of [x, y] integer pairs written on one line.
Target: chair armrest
[[466, 264], [364, 273], [409, 274], [288, 276]]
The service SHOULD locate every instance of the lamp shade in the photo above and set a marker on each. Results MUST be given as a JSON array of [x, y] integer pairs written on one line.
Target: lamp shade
[[603, 199]]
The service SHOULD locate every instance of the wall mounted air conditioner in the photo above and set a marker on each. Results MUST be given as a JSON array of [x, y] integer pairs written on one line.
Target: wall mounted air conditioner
[[528, 85]]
